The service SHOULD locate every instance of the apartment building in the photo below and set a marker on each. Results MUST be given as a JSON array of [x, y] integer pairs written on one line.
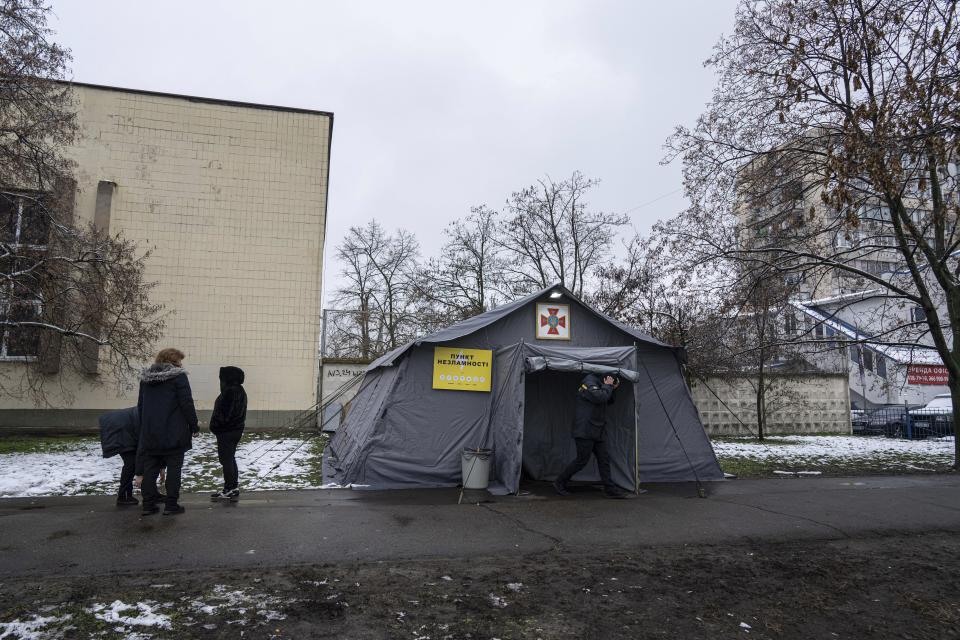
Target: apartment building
[[880, 339]]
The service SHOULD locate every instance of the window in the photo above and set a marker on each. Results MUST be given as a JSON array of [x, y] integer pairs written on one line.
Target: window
[[24, 228], [790, 323], [18, 342], [868, 359], [881, 366], [917, 314]]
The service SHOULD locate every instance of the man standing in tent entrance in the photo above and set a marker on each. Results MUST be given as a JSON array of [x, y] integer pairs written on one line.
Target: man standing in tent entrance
[[589, 432]]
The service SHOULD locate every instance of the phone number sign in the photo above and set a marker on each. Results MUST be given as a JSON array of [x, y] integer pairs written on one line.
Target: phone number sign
[[927, 374], [462, 369]]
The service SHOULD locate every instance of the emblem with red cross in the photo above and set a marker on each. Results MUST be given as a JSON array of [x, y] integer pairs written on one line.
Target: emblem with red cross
[[553, 321]]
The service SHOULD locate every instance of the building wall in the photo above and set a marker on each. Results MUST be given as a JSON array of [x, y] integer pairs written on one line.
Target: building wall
[[817, 403], [882, 315], [337, 373], [232, 201]]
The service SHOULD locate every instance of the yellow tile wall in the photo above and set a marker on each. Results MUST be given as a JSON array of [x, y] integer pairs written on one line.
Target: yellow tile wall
[[232, 200]]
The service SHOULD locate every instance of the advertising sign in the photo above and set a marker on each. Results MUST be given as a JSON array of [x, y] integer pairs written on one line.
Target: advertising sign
[[927, 374], [462, 369]]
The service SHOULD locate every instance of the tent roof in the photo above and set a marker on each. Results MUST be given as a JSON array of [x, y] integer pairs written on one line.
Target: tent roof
[[471, 325]]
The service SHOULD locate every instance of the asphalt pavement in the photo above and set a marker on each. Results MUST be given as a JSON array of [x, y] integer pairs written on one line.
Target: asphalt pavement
[[91, 536]]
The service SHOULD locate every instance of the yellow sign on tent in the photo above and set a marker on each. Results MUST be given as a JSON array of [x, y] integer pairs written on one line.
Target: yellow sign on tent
[[462, 369]]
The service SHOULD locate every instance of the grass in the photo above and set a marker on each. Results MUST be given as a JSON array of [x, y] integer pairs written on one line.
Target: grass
[[42, 444]]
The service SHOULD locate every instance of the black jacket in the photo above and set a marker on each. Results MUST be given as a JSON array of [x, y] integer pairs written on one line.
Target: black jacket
[[119, 431], [230, 409], [168, 418], [590, 415]]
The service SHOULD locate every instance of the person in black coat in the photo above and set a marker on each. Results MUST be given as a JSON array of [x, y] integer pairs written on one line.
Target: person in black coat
[[589, 432], [226, 423], [120, 434], [168, 422]]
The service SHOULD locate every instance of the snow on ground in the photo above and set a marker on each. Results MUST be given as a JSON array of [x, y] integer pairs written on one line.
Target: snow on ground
[[32, 629], [244, 605], [141, 614], [835, 449], [81, 469]]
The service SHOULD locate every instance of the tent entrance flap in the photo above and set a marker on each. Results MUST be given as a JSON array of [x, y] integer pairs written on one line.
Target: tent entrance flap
[[550, 396], [533, 364], [548, 445]]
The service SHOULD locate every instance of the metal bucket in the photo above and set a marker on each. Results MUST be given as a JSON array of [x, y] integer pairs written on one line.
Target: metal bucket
[[475, 466]]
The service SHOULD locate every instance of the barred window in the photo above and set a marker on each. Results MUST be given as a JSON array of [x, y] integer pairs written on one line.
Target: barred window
[[24, 233]]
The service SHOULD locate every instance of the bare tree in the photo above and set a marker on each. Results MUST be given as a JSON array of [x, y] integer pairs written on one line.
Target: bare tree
[[467, 278], [762, 338], [72, 299], [725, 332], [549, 235], [379, 269], [649, 290], [829, 116]]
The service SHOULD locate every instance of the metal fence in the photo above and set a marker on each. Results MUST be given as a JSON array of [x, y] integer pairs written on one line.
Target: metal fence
[[903, 421]]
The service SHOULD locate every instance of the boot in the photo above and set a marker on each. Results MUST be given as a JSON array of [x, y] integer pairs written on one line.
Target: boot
[[126, 499]]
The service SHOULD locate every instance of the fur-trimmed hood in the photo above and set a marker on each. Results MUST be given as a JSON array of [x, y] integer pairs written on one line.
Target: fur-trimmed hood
[[160, 372]]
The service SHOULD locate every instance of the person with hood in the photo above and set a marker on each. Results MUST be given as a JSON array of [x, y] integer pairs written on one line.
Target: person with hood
[[226, 423], [168, 422], [120, 434], [589, 432]]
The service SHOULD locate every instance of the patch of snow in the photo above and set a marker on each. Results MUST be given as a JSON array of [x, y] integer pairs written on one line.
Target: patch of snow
[[831, 449], [145, 616], [517, 586], [744, 625], [32, 629], [239, 601], [82, 470], [496, 601]]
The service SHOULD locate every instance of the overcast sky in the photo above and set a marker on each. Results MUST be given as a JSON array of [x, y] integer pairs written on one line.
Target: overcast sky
[[438, 105]]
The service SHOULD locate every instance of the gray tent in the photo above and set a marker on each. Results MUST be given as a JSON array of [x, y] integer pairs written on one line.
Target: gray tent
[[400, 431]]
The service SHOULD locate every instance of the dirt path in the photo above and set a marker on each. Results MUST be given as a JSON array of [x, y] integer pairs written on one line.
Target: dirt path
[[899, 586]]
